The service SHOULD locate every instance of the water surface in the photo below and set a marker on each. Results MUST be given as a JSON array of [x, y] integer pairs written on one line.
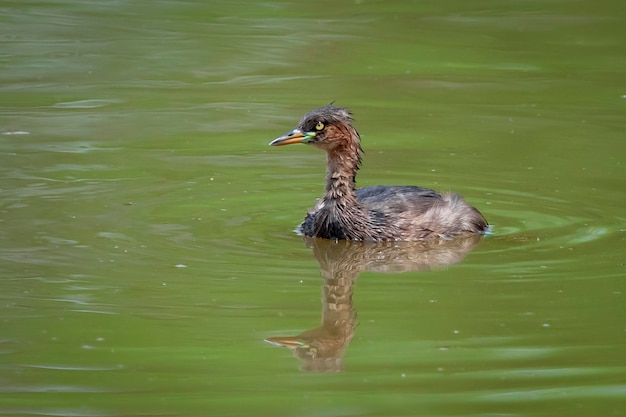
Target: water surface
[[147, 228]]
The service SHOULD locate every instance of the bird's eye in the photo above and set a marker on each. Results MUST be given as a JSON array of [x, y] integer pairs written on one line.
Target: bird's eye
[[319, 126]]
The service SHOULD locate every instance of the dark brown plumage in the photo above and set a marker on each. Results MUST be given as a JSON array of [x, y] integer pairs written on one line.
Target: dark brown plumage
[[372, 213]]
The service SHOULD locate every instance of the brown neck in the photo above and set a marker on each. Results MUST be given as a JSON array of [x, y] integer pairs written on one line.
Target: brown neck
[[340, 178], [340, 215], [342, 165]]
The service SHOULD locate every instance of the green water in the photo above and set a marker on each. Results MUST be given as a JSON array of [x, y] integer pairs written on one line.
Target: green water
[[147, 244]]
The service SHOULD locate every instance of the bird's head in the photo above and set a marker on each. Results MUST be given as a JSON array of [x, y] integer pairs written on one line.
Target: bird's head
[[329, 128]]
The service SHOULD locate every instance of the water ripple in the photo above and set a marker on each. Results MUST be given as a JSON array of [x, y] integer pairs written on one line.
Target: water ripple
[[85, 104]]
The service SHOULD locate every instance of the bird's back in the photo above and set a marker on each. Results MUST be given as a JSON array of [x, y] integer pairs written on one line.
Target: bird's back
[[417, 213]]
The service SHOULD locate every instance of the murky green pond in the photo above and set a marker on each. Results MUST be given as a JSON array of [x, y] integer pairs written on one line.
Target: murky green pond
[[147, 245]]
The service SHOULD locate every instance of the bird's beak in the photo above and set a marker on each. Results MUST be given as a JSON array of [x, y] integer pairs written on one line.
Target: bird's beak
[[290, 342], [295, 136]]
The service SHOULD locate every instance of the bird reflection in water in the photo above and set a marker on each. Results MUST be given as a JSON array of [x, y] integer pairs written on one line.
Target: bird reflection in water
[[321, 349]]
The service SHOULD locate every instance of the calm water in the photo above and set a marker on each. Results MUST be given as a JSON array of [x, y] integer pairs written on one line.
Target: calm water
[[147, 228]]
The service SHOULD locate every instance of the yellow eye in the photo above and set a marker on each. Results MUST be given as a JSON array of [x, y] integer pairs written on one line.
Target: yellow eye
[[319, 126]]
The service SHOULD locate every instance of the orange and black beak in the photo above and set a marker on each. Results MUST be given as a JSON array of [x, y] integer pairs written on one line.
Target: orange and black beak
[[290, 342], [295, 136]]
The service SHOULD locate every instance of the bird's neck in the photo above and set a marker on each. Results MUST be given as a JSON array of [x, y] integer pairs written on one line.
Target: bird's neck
[[342, 166], [340, 215]]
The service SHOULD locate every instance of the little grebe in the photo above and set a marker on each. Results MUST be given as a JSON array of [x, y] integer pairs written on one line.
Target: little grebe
[[372, 213]]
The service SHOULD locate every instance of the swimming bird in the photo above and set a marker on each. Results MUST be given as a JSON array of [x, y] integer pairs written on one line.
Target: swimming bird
[[376, 213]]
